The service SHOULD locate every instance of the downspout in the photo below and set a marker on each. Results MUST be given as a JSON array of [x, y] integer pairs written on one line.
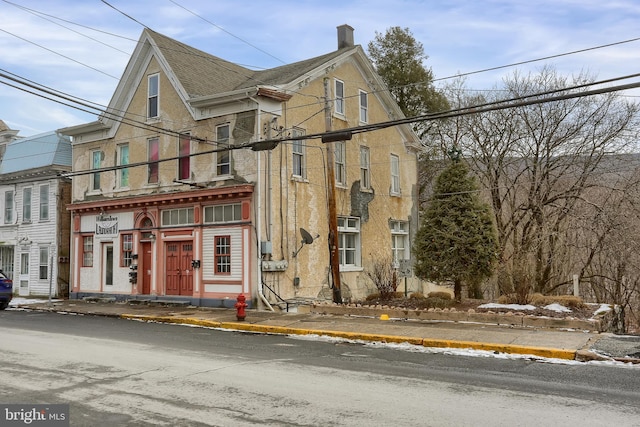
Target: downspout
[[259, 210]]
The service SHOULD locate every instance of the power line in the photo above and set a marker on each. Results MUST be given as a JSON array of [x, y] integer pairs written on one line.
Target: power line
[[70, 22], [59, 54], [121, 12], [106, 114], [347, 132], [40, 15], [235, 71], [539, 59], [222, 29]]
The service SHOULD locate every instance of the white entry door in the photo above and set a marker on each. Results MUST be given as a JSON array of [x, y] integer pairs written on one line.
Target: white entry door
[[23, 277]]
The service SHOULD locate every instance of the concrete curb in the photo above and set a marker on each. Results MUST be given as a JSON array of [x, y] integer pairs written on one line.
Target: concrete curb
[[425, 342], [508, 319]]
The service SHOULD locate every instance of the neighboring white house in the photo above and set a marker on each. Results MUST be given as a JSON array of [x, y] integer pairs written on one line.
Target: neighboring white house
[[35, 224]]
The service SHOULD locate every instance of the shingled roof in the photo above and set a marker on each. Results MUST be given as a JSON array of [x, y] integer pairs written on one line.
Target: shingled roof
[[199, 73], [203, 74]]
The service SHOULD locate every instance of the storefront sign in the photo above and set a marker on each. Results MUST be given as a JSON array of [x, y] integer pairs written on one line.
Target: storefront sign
[[106, 226]]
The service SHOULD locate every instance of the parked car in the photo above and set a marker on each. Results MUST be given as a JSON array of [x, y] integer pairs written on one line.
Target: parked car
[[6, 290]]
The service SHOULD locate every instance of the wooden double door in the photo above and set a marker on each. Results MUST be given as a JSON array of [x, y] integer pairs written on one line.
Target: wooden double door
[[179, 271]]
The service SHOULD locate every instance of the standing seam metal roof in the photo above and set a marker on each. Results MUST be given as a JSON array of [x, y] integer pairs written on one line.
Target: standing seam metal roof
[[47, 149]]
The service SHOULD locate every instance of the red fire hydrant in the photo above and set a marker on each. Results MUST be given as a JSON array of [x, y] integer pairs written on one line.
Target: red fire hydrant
[[240, 306]]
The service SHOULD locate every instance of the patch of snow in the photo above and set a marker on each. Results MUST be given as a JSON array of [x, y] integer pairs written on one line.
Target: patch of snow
[[16, 301], [21, 301], [603, 309], [558, 308], [464, 352], [508, 306]]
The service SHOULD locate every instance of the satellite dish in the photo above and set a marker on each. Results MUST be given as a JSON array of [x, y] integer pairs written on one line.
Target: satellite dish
[[307, 239]]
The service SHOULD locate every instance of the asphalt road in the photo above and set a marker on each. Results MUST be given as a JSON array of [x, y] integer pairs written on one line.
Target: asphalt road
[[125, 373]]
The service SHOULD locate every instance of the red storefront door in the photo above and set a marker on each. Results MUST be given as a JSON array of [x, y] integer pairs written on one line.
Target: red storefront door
[[179, 269]]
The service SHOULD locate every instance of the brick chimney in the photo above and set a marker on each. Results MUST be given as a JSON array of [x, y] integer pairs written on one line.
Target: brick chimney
[[345, 36]]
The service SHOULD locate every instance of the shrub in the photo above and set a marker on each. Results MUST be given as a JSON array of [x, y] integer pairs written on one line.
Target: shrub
[[384, 277], [441, 295], [437, 302], [372, 297], [417, 295]]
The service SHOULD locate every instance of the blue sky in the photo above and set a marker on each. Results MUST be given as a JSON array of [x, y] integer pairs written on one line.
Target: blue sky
[[82, 47]]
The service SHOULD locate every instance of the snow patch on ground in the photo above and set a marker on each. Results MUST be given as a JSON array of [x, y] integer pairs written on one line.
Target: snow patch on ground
[[559, 308], [463, 352], [16, 301], [508, 306], [603, 309]]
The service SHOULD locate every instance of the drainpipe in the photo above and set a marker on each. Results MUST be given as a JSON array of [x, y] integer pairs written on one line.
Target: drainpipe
[[259, 211]]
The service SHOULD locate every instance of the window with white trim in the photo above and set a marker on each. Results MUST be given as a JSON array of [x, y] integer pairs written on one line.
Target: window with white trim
[[224, 157], [8, 207], [339, 97], [399, 240], [340, 161], [44, 202], [365, 168], [44, 263], [181, 216], [96, 161], [123, 159], [349, 241], [299, 166], [26, 204], [395, 174], [153, 93], [364, 107], [219, 214]]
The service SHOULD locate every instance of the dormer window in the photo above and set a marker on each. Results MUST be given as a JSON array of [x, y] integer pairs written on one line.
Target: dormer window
[[153, 93]]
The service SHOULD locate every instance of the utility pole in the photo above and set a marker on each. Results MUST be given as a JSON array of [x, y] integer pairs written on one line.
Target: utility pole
[[334, 258]]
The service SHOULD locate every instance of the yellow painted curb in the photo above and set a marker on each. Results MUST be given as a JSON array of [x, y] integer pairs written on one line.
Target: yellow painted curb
[[502, 348], [426, 342], [171, 319]]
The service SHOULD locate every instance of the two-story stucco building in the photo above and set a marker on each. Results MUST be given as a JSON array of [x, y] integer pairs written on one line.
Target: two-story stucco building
[[173, 197], [35, 225]]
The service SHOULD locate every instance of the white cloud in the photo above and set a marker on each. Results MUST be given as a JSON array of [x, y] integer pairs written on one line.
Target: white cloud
[[458, 36]]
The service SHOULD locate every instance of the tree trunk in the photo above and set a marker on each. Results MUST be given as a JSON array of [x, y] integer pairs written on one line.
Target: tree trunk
[[457, 290]]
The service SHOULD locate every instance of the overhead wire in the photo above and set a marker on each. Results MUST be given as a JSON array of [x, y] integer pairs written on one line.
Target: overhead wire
[[229, 33], [70, 22], [329, 135], [42, 16], [385, 89], [489, 69], [59, 54]]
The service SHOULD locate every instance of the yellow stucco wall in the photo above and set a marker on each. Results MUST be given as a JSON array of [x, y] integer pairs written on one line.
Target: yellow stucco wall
[[303, 203], [287, 204]]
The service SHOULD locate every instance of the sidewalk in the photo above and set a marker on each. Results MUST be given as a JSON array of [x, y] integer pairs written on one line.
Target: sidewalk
[[542, 342]]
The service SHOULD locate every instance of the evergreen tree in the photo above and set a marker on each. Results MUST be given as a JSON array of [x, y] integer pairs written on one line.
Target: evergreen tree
[[457, 239], [398, 58]]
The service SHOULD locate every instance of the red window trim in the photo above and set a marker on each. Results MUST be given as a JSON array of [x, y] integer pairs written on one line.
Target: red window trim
[[217, 255], [93, 242], [122, 250]]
